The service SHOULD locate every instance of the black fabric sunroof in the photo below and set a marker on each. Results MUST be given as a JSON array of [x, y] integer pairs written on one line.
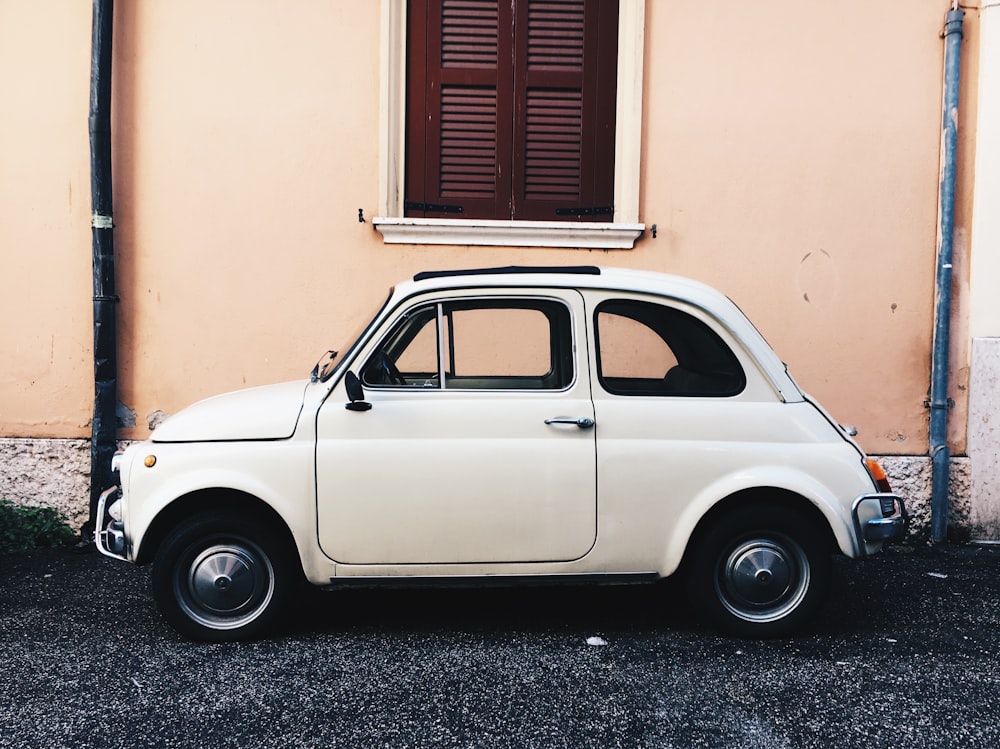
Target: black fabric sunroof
[[579, 270]]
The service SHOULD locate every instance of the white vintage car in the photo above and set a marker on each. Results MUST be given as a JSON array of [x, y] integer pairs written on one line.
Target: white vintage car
[[509, 425]]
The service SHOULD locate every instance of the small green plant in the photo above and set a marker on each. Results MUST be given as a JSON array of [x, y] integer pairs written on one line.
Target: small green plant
[[23, 528]]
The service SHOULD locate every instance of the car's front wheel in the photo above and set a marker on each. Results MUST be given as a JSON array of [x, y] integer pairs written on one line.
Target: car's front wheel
[[759, 571], [221, 577]]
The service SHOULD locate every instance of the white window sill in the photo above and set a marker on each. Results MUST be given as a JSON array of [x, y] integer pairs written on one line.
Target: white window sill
[[580, 234]]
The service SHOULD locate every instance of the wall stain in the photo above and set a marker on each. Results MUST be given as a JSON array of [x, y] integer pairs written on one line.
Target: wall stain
[[154, 419], [817, 278], [126, 416]]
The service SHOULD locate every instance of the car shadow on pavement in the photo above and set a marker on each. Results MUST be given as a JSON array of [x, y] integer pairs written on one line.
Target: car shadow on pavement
[[903, 589], [628, 608]]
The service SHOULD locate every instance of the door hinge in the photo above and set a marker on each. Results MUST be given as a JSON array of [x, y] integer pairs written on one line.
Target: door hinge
[[409, 205], [599, 210]]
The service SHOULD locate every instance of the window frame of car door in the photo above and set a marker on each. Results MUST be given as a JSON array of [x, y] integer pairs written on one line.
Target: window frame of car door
[[566, 351]]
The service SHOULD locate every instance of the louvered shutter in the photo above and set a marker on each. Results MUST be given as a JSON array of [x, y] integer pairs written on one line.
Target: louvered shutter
[[564, 125], [511, 115], [457, 50]]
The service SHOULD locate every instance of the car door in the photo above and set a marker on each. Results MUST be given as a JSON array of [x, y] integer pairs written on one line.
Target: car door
[[479, 445]]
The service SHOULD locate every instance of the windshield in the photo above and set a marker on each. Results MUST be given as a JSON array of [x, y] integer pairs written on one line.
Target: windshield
[[327, 363]]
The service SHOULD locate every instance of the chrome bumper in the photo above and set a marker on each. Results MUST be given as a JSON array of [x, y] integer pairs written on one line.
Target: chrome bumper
[[110, 533], [887, 526]]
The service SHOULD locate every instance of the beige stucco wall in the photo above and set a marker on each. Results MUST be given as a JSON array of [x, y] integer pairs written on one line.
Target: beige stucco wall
[[46, 380], [800, 175], [790, 157]]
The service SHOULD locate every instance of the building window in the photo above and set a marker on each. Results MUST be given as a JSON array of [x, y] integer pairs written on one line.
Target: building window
[[511, 109], [511, 124]]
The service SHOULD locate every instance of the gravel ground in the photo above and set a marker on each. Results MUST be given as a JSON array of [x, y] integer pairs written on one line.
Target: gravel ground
[[904, 655]]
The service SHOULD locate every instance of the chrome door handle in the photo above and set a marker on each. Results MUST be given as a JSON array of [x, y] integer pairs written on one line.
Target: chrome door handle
[[583, 422]]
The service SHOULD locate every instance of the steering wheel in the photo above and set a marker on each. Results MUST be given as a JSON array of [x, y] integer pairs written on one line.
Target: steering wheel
[[390, 374]]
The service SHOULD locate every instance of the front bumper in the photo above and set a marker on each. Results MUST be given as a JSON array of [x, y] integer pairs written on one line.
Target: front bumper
[[110, 533], [888, 524]]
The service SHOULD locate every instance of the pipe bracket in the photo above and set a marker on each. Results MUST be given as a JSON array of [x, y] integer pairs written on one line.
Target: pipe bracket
[[947, 405]]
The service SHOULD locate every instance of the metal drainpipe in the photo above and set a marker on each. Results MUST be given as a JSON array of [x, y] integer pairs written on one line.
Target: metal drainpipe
[[103, 427], [939, 402]]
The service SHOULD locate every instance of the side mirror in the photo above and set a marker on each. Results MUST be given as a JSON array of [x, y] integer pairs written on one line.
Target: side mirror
[[356, 393]]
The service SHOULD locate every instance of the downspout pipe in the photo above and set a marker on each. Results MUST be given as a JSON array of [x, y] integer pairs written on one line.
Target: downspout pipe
[[939, 402], [103, 427]]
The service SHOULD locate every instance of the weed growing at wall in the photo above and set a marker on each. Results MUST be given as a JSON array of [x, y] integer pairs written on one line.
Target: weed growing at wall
[[23, 528]]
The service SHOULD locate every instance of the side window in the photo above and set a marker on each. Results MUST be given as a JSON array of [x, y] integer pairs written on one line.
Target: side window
[[477, 344], [651, 349], [499, 342]]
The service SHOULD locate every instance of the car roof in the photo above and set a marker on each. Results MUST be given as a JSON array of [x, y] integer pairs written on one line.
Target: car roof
[[573, 276], [604, 278]]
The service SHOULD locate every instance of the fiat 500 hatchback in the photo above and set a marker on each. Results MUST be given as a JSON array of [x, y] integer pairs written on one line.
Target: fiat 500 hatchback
[[509, 425]]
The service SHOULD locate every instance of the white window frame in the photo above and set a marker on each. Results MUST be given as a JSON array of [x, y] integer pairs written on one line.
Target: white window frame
[[620, 233]]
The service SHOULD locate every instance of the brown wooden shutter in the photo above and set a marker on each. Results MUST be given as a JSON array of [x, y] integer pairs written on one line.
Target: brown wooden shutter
[[565, 122], [511, 109], [458, 94]]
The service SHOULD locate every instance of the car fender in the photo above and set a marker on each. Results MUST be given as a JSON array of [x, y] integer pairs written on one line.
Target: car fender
[[780, 477], [192, 469]]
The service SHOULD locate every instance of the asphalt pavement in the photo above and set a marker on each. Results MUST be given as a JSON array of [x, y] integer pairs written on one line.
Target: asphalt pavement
[[906, 654]]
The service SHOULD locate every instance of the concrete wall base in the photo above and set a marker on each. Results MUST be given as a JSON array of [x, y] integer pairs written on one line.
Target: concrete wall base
[[910, 477], [47, 473], [56, 473], [984, 437]]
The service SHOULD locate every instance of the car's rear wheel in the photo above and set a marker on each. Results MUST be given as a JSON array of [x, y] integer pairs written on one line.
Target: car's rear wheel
[[221, 577], [759, 571]]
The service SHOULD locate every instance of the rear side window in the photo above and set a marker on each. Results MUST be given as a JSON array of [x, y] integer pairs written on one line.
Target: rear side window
[[645, 348]]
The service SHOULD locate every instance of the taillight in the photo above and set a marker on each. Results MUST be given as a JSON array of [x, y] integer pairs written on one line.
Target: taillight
[[881, 480]]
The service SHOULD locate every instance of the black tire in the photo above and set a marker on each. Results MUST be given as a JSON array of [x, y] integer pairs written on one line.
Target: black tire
[[221, 577], [759, 571]]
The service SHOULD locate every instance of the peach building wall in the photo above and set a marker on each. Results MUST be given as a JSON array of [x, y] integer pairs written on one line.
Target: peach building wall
[[790, 158]]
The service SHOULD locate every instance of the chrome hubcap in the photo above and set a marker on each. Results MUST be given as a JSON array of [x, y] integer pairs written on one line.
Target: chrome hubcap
[[226, 585], [763, 579]]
